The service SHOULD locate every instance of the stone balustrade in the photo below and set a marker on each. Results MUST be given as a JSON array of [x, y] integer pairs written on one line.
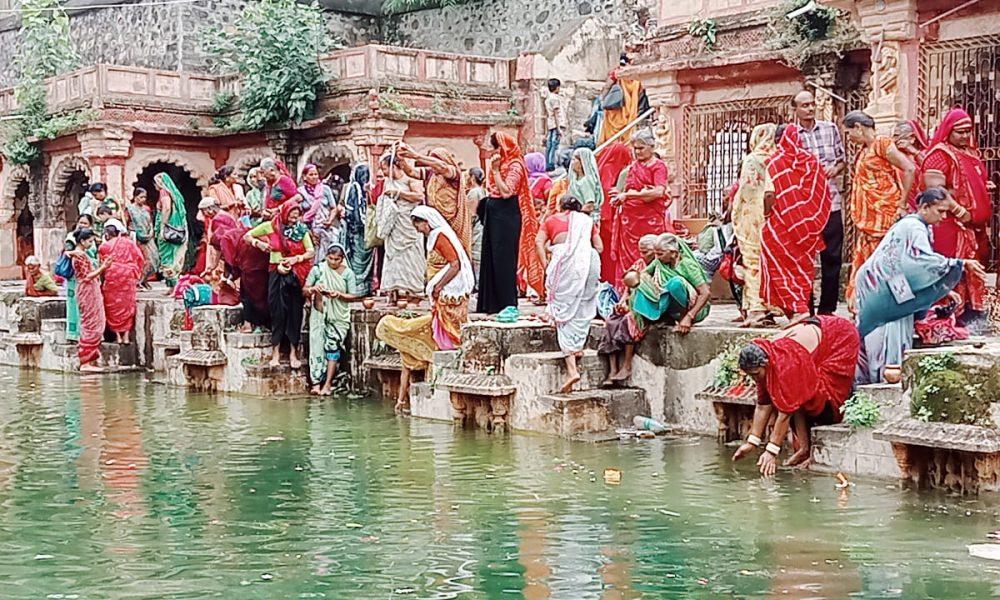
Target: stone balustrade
[[675, 13], [99, 85]]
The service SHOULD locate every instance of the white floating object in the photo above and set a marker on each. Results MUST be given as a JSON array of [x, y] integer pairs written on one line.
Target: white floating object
[[987, 551]]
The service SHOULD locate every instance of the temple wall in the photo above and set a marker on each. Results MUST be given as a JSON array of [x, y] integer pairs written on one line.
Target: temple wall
[[161, 37], [501, 27], [464, 148], [744, 92], [673, 12]]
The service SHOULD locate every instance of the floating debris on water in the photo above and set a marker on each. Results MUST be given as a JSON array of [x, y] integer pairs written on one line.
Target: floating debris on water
[[612, 476], [669, 513], [266, 576]]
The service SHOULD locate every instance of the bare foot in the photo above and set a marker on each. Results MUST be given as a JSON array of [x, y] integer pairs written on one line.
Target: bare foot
[[315, 390], [609, 381], [402, 408], [295, 363], [90, 368], [800, 455], [275, 363], [570, 382], [326, 391], [804, 464], [621, 375]]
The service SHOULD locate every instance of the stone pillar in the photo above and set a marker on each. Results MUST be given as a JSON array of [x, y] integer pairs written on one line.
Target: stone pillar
[[891, 28], [106, 150], [287, 148], [669, 98], [375, 135]]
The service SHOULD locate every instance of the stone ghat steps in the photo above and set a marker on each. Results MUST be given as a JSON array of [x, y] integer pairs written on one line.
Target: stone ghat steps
[[542, 373], [582, 414]]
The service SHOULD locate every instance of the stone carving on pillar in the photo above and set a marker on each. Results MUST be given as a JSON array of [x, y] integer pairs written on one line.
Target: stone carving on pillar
[[664, 132], [822, 71], [105, 143], [18, 175], [373, 136], [885, 101]]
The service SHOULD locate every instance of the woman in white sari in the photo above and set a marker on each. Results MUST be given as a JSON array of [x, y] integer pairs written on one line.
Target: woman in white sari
[[405, 264], [571, 278], [449, 289]]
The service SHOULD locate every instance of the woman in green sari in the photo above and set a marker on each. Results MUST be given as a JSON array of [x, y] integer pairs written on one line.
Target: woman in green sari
[[171, 228], [585, 182], [673, 286], [330, 286]]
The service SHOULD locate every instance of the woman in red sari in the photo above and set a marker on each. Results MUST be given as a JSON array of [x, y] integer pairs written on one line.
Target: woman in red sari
[[89, 299], [124, 271], [509, 177], [795, 215], [641, 208], [963, 233], [614, 159], [248, 265]]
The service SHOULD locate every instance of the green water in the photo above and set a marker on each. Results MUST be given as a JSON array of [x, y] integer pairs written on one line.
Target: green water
[[117, 488]]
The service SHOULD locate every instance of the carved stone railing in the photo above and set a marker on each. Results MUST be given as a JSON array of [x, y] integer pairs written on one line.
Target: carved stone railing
[[396, 63], [673, 12]]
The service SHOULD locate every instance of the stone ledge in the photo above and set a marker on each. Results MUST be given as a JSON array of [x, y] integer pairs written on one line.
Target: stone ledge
[[476, 384], [384, 362], [203, 358], [947, 436], [238, 339], [22, 339]]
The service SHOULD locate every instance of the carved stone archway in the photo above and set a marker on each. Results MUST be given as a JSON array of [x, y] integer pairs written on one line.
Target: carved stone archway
[[18, 174], [137, 167], [246, 163], [328, 155], [66, 181]]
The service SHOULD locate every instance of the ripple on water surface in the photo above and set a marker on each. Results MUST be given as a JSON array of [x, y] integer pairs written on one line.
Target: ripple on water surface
[[116, 488]]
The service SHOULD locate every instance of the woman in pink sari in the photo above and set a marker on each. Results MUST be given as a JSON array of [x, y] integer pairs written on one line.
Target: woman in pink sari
[[89, 299], [124, 271], [955, 157], [641, 208]]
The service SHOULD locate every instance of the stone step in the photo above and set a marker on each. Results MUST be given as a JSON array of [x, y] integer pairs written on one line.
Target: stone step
[[580, 413], [540, 373], [855, 451], [54, 325], [119, 355], [238, 339]]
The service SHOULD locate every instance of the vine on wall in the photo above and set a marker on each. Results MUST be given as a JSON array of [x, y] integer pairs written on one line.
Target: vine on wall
[[820, 31], [403, 6], [275, 47], [45, 50]]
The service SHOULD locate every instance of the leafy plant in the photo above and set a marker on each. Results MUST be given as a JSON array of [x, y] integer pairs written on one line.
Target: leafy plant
[[224, 105], [391, 100], [861, 410], [45, 50], [729, 373], [817, 32], [705, 29], [275, 46]]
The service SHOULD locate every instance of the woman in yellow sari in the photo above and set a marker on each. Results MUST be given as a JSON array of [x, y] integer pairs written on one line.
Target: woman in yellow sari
[[748, 217], [615, 119], [449, 289]]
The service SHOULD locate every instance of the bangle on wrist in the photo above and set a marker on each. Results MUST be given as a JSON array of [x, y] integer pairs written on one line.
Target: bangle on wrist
[[753, 440], [773, 448]]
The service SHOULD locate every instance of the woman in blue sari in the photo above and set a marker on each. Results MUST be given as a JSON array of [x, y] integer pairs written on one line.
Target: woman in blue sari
[[901, 281], [360, 258]]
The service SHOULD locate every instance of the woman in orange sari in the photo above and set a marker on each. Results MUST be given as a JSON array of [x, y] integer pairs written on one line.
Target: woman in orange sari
[[121, 278], [615, 119], [442, 176], [880, 193], [508, 212], [962, 234], [226, 192]]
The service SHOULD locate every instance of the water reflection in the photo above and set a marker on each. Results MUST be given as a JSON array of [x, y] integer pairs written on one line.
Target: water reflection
[[112, 487]]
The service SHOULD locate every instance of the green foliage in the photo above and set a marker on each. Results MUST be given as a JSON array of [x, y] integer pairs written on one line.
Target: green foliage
[[706, 30], [275, 47], [949, 393], [861, 410], [45, 50], [820, 31], [223, 108], [729, 373], [404, 6], [390, 100]]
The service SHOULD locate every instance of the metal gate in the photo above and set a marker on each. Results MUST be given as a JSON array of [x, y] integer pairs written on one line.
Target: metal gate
[[966, 73], [715, 141]]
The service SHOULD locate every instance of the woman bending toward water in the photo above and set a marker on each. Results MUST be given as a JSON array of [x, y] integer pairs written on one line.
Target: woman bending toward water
[[449, 288], [573, 272]]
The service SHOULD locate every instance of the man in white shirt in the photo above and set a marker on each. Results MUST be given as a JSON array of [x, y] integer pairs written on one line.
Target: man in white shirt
[[555, 123]]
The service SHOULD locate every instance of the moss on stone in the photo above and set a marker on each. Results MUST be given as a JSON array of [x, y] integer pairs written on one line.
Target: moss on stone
[[949, 391]]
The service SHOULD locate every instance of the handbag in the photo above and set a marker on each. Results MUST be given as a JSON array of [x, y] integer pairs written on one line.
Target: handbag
[[372, 239], [64, 267], [174, 235], [614, 99]]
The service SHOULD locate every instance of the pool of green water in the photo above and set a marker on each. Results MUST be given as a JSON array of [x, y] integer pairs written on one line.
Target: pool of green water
[[118, 488]]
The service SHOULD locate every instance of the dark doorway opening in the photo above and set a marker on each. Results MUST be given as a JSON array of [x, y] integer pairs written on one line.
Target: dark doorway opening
[[336, 176], [189, 189], [76, 186], [25, 229]]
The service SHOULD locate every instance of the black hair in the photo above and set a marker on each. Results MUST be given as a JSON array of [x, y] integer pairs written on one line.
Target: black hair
[[221, 174], [139, 191], [858, 117], [570, 203], [104, 209], [564, 157], [477, 175], [90, 218], [387, 159], [97, 187], [83, 234], [779, 131], [752, 356], [931, 196], [554, 84], [338, 250], [494, 141]]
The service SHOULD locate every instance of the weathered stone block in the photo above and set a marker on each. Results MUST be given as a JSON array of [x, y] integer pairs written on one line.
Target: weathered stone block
[[954, 385], [578, 413], [429, 402]]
